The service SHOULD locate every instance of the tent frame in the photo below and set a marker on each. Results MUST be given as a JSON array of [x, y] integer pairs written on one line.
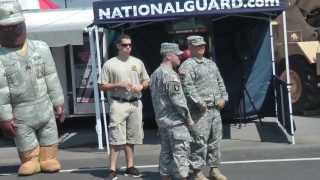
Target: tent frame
[[96, 51], [284, 19]]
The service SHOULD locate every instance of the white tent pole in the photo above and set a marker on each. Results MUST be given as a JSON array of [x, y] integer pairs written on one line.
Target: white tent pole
[[95, 88], [273, 57], [284, 21], [105, 44], [101, 92]]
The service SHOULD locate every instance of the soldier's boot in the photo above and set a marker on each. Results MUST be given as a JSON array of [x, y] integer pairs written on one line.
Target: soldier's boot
[[215, 174], [49, 159], [198, 175], [29, 162]]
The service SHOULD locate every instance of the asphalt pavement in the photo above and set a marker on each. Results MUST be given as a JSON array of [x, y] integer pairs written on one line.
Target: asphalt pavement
[[253, 151]]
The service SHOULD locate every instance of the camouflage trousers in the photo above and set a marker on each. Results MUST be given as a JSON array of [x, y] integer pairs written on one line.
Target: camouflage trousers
[[206, 137], [36, 125], [175, 150]]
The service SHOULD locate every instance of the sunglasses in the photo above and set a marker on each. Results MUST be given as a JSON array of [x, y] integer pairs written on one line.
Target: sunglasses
[[126, 45]]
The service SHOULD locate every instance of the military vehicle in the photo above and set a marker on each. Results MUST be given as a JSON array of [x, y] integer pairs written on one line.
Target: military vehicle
[[303, 31]]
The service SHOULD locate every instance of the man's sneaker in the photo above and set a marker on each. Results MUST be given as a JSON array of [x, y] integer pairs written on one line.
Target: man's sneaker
[[112, 175], [133, 172]]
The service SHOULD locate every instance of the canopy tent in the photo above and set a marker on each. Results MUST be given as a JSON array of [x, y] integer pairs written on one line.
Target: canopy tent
[[115, 14], [119, 14], [58, 27], [126, 11]]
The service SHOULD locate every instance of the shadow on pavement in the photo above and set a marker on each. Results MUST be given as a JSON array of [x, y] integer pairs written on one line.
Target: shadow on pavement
[[267, 131], [147, 175], [86, 140], [151, 137], [10, 169], [6, 142], [226, 131], [94, 173], [80, 132], [271, 132]]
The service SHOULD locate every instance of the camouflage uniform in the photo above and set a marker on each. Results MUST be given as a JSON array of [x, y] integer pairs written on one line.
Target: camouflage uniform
[[171, 115], [203, 84], [29, 88]]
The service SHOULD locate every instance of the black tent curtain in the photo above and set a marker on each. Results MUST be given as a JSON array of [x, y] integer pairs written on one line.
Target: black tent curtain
[[249, 50]]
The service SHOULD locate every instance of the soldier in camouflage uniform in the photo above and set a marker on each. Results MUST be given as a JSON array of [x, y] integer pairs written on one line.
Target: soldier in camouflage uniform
[[172, 115], [29, 92], [206, 96]]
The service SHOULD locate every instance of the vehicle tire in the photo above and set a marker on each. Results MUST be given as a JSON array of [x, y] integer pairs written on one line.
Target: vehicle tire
[[313, 18], [304, 91]]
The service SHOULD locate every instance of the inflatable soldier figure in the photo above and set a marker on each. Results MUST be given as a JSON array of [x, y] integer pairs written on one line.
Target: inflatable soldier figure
[[30, 94]]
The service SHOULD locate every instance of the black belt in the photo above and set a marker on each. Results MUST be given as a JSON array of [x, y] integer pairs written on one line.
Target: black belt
[[212, 107], [125, 100]]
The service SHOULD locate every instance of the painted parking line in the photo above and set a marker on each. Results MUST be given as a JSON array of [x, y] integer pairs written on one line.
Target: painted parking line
[[6, 174], [156, 166], [271, 160]]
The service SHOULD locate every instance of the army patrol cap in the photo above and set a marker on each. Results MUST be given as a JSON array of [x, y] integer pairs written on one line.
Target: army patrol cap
[[170, 48], [10, 13], [196, 40]]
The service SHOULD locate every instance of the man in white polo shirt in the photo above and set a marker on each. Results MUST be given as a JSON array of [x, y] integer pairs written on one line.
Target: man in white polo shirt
[[123, 78]]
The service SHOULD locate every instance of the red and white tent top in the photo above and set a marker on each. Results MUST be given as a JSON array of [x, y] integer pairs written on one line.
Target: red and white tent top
[[38, 4]]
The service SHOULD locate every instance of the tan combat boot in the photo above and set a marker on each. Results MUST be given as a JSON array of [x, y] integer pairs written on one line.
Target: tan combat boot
[[198, 175], [49, 159], [215, 174], [29, 162]]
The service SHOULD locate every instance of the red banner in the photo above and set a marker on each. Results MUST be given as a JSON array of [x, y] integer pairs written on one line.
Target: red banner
[[47, 4]]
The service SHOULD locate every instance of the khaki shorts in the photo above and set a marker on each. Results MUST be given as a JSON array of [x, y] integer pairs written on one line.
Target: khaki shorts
[[125, 123]]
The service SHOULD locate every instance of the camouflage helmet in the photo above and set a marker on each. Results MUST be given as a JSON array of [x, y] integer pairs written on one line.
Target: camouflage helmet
[[196, 40], [10, 12], [170, 48]]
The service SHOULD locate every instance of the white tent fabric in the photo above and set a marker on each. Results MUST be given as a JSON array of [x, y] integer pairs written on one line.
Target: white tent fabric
[[58, 27], [30, 4]]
